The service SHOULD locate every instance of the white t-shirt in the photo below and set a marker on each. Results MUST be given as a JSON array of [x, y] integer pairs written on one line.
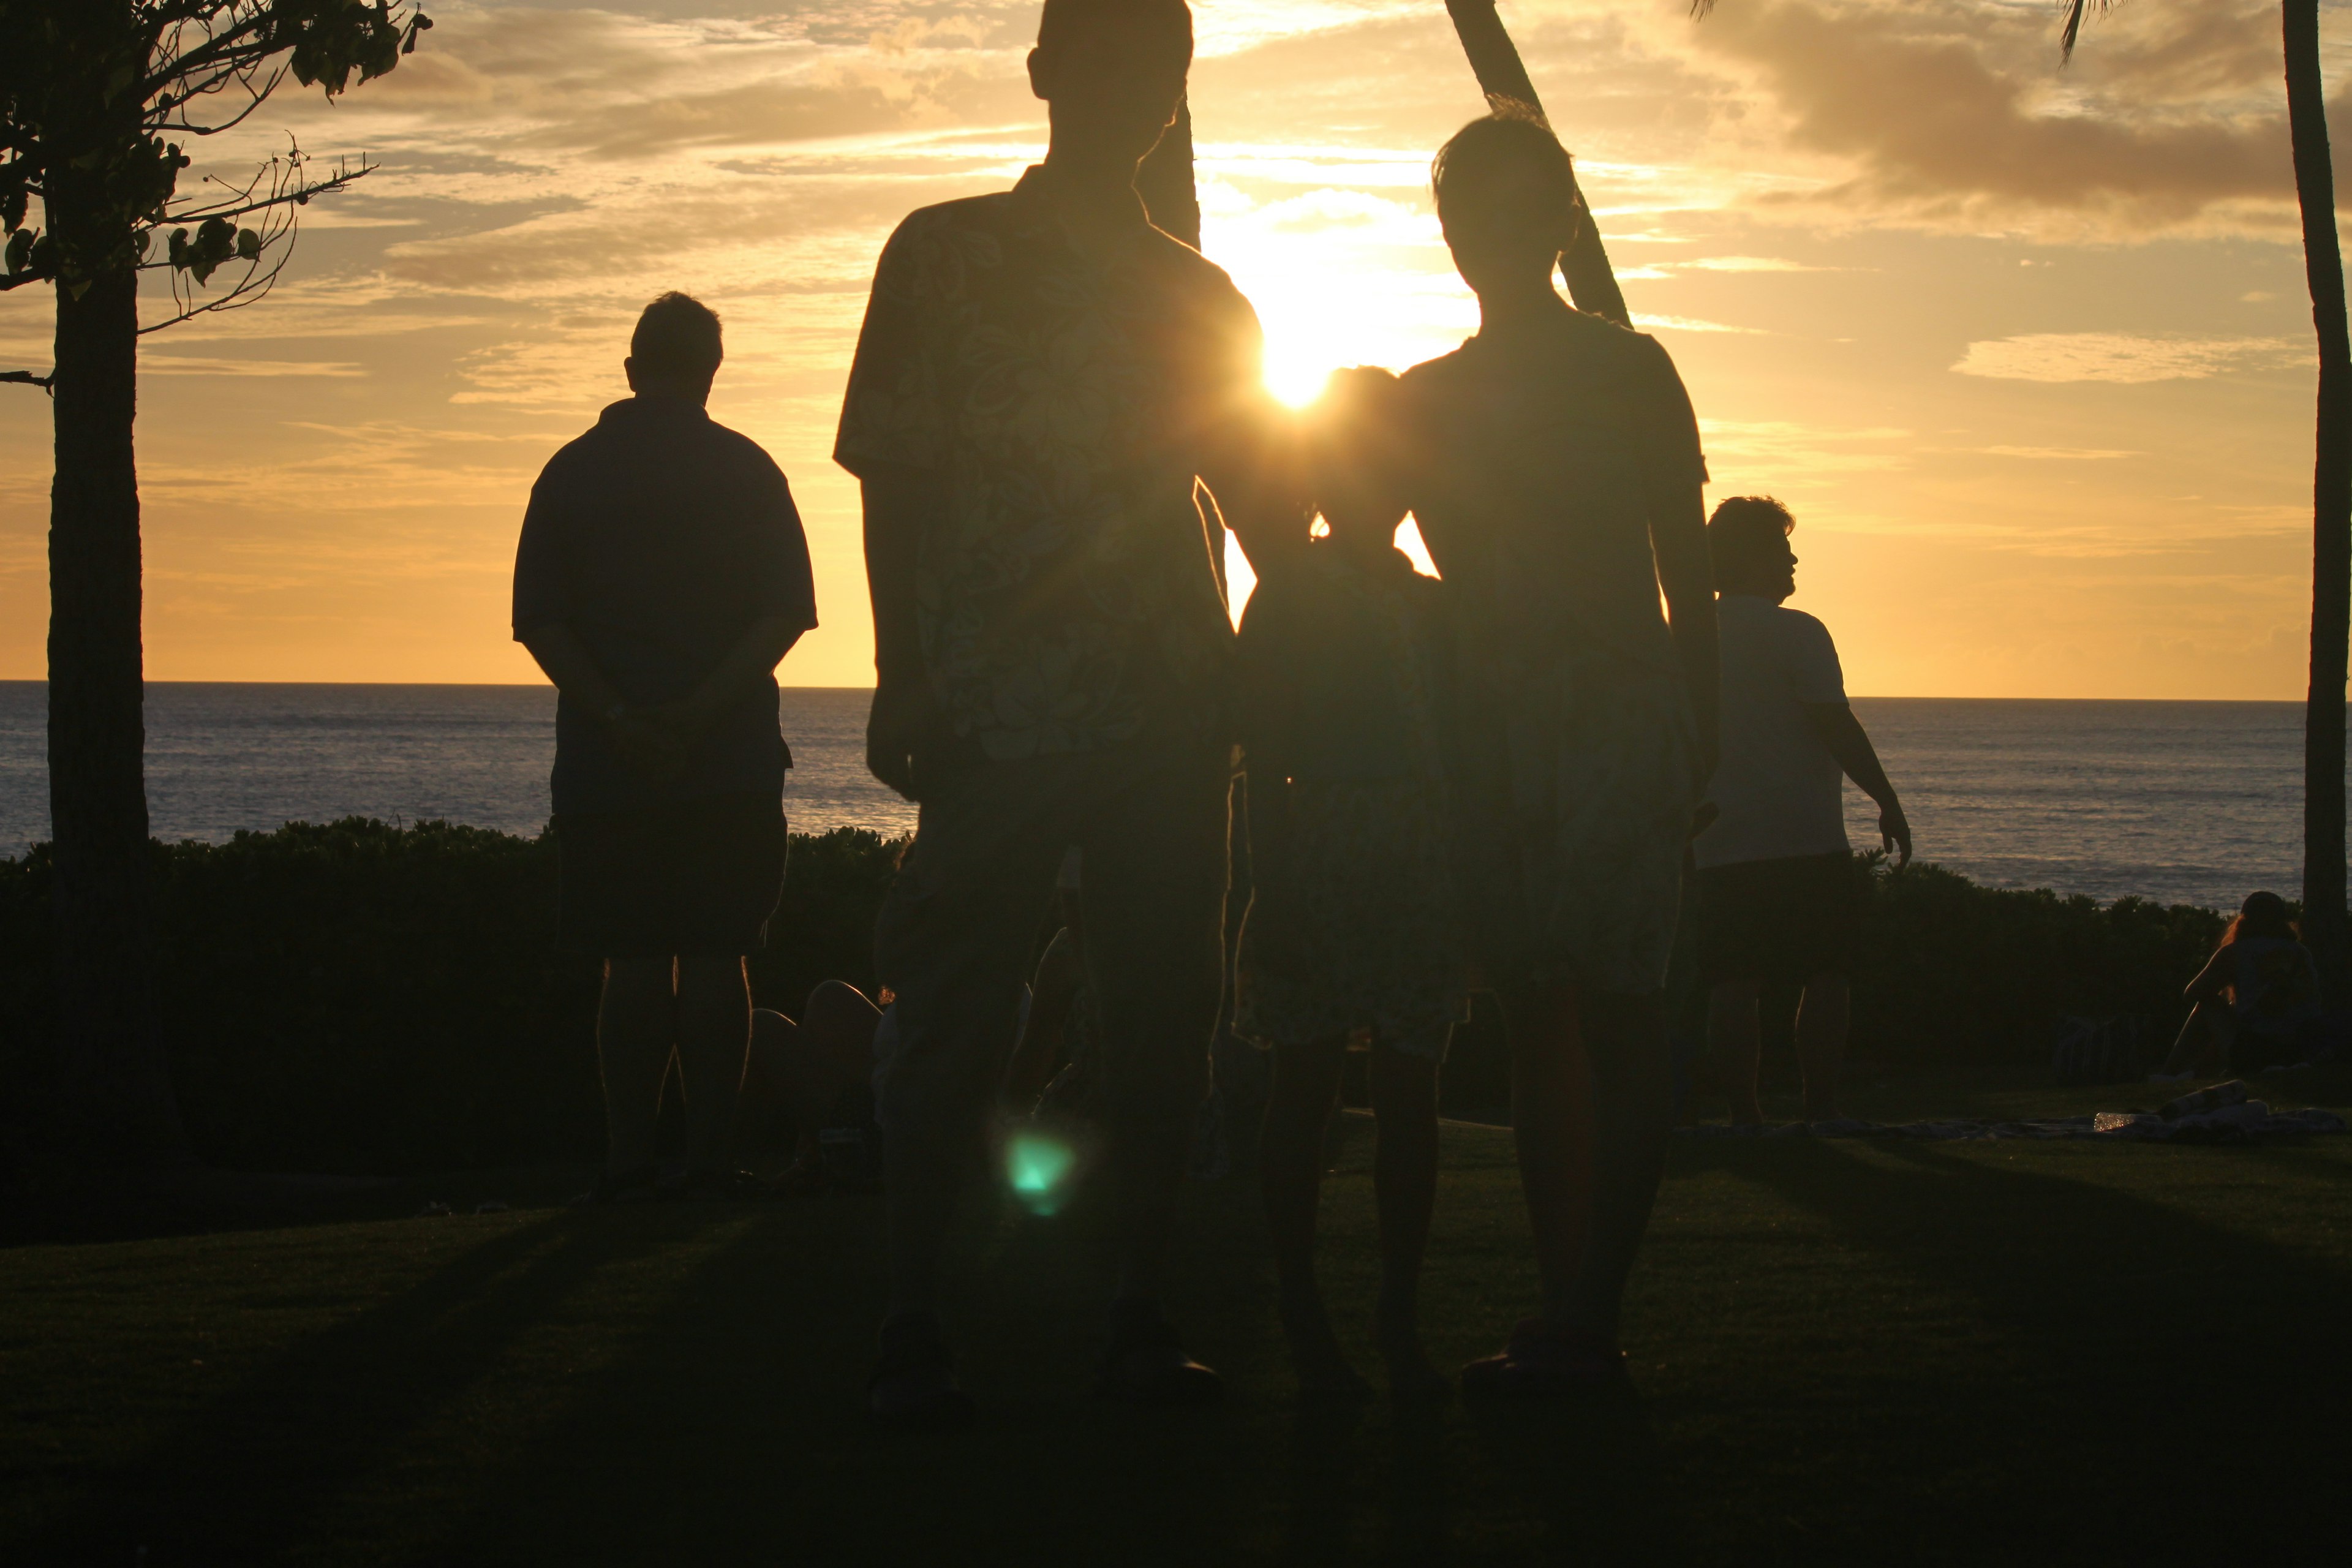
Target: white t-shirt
[[1776, 787]]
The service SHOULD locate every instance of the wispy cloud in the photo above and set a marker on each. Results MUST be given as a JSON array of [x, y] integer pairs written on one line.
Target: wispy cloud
[[194, 365], [2118, 357]]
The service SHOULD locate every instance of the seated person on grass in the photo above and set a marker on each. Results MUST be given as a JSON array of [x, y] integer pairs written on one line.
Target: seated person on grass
[[1778, 894], [661, 578], [799, 1071], [2256, 998]]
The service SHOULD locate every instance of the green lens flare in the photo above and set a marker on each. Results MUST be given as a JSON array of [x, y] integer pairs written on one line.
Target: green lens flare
[[1037, 1166]]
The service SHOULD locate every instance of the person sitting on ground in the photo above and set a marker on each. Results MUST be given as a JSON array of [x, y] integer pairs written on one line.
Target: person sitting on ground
[[799, 1071], [661, 577], [1352, 927], [1778, 892], [2256, 998], [1561, 501]]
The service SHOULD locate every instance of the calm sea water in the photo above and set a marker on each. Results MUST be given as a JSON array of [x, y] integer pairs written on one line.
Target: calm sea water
[[2185, 802]]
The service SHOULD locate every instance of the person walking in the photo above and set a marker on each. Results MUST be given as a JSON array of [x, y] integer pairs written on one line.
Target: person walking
[[661, 577], [1353, 927], [1041, 380], [1779, 894], [1560, 496]]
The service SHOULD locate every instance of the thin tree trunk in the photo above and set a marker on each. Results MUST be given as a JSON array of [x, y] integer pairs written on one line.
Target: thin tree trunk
[[116, 1081], [1165, 181], [2331, 505], [1503, 77]]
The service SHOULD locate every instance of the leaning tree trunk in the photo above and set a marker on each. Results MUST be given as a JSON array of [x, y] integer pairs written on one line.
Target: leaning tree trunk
[[1165, 181], [2331, 506], [1503, 77], [115, 1080]]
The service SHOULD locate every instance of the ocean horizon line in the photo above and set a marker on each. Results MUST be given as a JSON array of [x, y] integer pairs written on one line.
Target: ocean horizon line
[[545, 686]]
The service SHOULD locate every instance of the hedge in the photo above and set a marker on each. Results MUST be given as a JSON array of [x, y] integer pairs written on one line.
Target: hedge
[[361, 997]]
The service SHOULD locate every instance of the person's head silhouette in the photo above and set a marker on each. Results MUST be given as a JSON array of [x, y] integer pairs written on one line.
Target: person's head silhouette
[[1747, 538], [1354, 433], [1111, 73], [675, 351], [1506, 199]]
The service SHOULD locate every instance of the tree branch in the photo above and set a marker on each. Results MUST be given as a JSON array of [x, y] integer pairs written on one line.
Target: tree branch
[[27, 378]]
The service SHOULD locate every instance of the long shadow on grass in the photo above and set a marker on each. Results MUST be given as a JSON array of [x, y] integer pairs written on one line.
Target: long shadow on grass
[[729, 1424], [1593, 1471], [2146, 1356], [244, 1477]]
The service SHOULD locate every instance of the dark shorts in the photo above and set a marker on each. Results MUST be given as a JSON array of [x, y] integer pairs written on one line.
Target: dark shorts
[[1780, 919], [699, 878]]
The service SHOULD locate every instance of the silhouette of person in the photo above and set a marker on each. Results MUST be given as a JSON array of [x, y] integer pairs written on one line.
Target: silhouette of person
[[1041, 379], [1560, 494], [661, 578], [1778, 892], [1353, 926], [2256, 1000]]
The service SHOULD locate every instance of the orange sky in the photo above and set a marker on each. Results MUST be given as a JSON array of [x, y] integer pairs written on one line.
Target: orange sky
[[2027, 350]]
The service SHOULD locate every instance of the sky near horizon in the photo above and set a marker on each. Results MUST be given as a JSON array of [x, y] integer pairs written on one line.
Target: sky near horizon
[[2027, 350]]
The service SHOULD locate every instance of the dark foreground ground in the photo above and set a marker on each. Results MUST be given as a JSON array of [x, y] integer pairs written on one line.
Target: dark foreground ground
[[1843, 1351]]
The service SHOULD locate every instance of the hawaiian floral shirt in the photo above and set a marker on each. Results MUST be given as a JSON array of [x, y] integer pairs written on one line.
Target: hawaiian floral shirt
[[1067, 590]]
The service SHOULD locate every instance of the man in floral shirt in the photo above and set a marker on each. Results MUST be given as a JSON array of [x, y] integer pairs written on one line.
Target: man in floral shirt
[[1041, 378]]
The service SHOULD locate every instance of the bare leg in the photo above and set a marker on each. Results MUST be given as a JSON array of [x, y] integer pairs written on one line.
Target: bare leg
[[1823, 1019], [1633, 1104], [1552, 1123], [2204, 1041], [1290, 1176], [633, 1020], [1734, 1040], [1404, 1179], [714, 1037]]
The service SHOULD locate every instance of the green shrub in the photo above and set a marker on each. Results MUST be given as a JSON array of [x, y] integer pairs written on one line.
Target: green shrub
[[356, 996], [1950, 970], [360, 997]]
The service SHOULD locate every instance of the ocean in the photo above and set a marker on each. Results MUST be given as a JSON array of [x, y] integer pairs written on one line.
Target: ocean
[[2182, 801]]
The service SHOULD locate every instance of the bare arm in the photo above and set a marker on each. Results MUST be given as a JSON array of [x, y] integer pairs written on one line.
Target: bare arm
[[567, 662], [1847, 742], [1686, 577], [647, 744], [1246, 477], [897, 502], [2214, 978], [753, 658]]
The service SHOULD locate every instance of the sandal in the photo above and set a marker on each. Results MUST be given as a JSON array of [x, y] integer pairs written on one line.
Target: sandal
[[1542, 1361]]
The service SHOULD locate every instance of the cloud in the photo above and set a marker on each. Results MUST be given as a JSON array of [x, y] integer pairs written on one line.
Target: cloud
[[1747, 264], [191, 365], [2118, 357], [1650, 323], [1959, 114], [2067, 454]]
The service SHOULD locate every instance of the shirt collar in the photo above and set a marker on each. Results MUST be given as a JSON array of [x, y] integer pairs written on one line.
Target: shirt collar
[[1036, 190], [652, 408]]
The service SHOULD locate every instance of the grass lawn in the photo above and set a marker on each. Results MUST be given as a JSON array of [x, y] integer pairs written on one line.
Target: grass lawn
[[1843, 1351]]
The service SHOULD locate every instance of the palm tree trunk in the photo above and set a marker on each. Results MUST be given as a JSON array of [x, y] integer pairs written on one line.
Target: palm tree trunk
[[2331, 505], [114, 1076], [1165, 181], [1503, 77]]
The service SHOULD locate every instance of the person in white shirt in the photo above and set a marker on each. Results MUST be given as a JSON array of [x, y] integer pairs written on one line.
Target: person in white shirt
[[1779, 893]]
